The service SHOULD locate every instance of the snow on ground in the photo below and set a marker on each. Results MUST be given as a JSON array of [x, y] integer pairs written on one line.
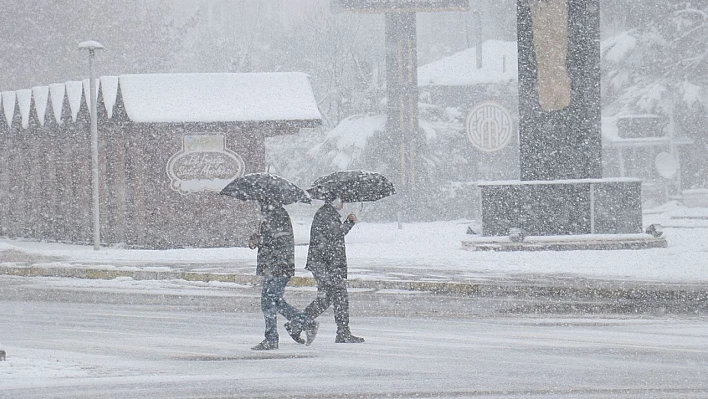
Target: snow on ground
[[418, 251], [111, 348]]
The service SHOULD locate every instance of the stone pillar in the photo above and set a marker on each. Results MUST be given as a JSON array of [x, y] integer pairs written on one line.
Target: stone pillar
[[402, 90], [561, 191], [559, 89]]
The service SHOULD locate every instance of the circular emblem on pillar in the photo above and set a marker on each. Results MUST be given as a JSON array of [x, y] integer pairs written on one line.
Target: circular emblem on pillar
[[489, 126]]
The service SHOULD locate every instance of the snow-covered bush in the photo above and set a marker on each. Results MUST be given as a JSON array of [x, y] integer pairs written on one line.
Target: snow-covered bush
[[444, 166]]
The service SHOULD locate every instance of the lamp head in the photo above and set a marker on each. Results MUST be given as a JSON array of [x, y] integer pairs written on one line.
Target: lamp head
[[90, 45]]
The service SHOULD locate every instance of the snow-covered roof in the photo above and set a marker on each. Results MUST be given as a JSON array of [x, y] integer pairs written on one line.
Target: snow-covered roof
[[180, 98], [8, 105], [40, 94], [24, 101], [74, 93], [499, 65], [56, 94], [109, 91], [219, 97]]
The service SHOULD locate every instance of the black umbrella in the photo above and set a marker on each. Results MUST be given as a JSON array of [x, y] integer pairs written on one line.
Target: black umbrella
[[265, 187], [353, 186]]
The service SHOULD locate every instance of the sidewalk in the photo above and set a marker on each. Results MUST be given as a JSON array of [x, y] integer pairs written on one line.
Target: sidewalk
[[420, 256]]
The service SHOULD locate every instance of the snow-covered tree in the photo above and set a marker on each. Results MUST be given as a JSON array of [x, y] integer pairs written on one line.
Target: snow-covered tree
[[661, 67], [344, 55], [233, 36], [444, 161]]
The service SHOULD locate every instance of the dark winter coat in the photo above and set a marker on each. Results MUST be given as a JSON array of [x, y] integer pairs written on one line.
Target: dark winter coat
[[276, 249], [327, 255]]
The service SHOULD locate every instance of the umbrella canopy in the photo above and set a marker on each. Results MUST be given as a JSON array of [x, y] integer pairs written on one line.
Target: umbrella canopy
[[265, 187], [353, 185]]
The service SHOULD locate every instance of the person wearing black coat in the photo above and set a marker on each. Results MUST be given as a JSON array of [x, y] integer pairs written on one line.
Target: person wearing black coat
[[276, 264], [327, 260]]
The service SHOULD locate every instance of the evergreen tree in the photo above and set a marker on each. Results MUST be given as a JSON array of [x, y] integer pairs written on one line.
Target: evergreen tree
[[661, 67]]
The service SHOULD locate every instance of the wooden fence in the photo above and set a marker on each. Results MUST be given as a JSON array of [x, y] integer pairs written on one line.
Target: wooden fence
[[45, 179]]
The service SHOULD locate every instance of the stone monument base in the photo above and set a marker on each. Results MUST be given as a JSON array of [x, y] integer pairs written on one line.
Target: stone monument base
[[566, 243], [562, 207]]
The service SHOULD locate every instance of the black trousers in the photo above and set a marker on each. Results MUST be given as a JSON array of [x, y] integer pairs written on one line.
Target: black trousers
[[331, 291]]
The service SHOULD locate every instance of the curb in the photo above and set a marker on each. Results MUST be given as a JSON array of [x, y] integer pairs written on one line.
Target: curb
[[559, 290]]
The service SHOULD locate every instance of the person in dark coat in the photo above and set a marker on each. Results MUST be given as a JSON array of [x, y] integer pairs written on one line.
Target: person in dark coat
[[276, 264], [327, 260]]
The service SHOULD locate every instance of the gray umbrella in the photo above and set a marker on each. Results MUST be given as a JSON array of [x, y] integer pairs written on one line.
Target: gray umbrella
[[265, 187], [353, 186]]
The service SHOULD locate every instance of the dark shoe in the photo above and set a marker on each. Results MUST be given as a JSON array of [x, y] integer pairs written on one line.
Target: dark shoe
[[348, 339], [294, 333], [265, 346], [310, 333]]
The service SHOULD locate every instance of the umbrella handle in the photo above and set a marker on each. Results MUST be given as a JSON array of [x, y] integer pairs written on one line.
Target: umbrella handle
[[255, 238]]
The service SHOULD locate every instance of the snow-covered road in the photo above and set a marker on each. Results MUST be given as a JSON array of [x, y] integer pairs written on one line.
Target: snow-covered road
[[69, 338]]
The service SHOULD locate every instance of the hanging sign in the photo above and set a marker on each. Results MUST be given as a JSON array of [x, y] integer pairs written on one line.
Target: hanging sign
[[489, 126], [203, 164]]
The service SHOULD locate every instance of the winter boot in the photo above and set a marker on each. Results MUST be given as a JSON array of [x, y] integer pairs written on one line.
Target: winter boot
[[294, 333], [346, 337], [311, 332], [266, 346]]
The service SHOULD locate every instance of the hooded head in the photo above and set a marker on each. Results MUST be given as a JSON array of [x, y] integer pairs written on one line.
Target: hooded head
[[335, 200]]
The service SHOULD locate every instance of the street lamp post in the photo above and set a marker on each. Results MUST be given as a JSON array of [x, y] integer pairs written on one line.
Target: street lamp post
[[92, 46]]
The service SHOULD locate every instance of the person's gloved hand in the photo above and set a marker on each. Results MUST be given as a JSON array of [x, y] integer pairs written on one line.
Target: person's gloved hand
[[254, 241]]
